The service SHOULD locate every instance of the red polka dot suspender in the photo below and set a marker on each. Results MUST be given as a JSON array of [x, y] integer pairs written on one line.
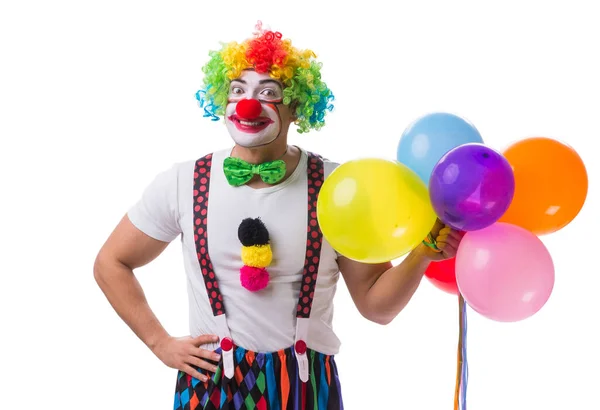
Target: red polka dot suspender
[[201, 184], [313, 244], [314, 237]]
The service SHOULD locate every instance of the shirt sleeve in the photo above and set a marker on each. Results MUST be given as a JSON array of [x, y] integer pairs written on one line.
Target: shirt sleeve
[[157, 211], [328, 168]]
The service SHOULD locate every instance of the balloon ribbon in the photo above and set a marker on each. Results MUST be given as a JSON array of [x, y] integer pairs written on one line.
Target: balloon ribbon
[[462, 367]]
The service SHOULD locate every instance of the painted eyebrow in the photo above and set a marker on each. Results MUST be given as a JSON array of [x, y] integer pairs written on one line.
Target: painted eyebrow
[[237, 80], [269, 81]]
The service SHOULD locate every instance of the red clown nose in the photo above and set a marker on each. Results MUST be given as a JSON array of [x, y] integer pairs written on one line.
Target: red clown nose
[[248, 109]]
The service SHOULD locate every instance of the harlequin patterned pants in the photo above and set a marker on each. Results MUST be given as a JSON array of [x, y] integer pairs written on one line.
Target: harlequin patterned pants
[[264, 381]]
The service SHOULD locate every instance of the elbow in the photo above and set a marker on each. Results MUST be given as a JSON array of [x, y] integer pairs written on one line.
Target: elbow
[[381, 320], [382, 313], [109, 271], [379, 316], [103, 270], [98, 271]]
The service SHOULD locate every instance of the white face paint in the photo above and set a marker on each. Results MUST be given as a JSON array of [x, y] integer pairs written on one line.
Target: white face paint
[[272, 122]]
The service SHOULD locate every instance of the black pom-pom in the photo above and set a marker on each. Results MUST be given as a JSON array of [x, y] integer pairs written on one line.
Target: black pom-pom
[[253, 232]]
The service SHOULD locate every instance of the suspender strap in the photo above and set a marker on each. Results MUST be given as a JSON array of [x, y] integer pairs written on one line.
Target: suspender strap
[[311, 264], [201, 186], [314, 238]]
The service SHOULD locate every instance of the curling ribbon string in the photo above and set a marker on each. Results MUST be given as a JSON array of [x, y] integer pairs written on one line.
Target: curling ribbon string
[[462, 368]]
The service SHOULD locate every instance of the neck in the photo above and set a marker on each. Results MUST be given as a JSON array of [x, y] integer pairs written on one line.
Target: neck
[[257, 155]]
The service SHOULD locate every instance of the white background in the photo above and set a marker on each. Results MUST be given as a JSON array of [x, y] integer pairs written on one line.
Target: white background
[[98, 97]]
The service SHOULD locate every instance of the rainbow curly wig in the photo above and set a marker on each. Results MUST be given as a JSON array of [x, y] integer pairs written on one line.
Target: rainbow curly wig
[[266, 52]]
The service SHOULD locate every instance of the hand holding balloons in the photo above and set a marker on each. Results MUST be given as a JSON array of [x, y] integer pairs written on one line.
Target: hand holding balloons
[[446, 242]]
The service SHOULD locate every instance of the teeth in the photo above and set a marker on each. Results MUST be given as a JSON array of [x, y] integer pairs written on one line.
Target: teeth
[[250, 123]]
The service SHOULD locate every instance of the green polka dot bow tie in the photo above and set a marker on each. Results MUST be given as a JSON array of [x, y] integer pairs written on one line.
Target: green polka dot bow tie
[[239, 172]]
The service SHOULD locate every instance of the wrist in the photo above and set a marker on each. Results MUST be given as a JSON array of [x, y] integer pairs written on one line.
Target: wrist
[[156, 341], [422, 254]]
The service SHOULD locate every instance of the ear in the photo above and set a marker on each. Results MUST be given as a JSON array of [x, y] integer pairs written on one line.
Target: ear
[[293, 107]]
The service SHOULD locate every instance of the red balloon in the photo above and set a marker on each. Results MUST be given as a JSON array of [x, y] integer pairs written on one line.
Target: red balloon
[[443, 275]]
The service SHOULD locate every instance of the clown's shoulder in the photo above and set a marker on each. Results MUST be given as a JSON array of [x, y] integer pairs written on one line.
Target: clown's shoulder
[[328, 164], [157, 211], [159, 208]]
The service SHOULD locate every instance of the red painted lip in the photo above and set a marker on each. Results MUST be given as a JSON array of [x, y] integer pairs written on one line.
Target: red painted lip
[[257, 124]]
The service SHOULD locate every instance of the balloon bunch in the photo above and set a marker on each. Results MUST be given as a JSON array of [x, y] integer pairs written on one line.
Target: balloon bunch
[[375, 210], [503, 201]]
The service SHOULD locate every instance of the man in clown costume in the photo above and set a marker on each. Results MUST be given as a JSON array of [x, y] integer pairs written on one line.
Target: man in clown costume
[[261, 277]]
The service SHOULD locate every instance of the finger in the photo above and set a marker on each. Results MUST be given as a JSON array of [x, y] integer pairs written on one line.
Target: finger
[[193, 360], [442, 236], [445, 230], [443, 243], [203, 353], [448, 231], [194, 373], [447, 251], [458, 235], [204, 339]]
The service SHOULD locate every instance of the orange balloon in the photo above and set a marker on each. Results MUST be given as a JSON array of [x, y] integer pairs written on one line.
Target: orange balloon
[[551, 185]]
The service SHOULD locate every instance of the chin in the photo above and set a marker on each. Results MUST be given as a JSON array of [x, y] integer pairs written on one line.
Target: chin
[[251, 141]]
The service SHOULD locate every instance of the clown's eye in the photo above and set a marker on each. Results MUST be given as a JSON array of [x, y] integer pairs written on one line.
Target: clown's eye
[[236, 90], [268, 93]]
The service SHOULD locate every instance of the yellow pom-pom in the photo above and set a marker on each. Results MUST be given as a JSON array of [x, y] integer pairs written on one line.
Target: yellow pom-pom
[[258, 256]]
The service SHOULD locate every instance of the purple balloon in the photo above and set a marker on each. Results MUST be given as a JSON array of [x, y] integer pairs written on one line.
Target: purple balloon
[[471, 187]]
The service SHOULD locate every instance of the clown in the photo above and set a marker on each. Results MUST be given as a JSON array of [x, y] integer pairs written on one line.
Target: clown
[[261, 277]]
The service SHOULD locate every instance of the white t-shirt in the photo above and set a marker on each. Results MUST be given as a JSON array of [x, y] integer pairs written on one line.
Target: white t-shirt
[[263, 321]]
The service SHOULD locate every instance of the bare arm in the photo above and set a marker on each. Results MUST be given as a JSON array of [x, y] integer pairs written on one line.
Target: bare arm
[[381, 291], [126, 249]]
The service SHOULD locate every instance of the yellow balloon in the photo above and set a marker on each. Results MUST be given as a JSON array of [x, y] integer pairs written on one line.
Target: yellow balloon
[[374, 210]]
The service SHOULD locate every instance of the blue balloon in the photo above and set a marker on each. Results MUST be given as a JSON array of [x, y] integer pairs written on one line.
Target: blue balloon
[[430, 137]]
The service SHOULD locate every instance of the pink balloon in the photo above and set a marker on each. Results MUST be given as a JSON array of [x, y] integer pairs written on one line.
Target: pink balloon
[[504, 272]]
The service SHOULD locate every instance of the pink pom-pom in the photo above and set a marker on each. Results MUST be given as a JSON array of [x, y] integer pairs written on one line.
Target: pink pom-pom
[[254, 279]]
